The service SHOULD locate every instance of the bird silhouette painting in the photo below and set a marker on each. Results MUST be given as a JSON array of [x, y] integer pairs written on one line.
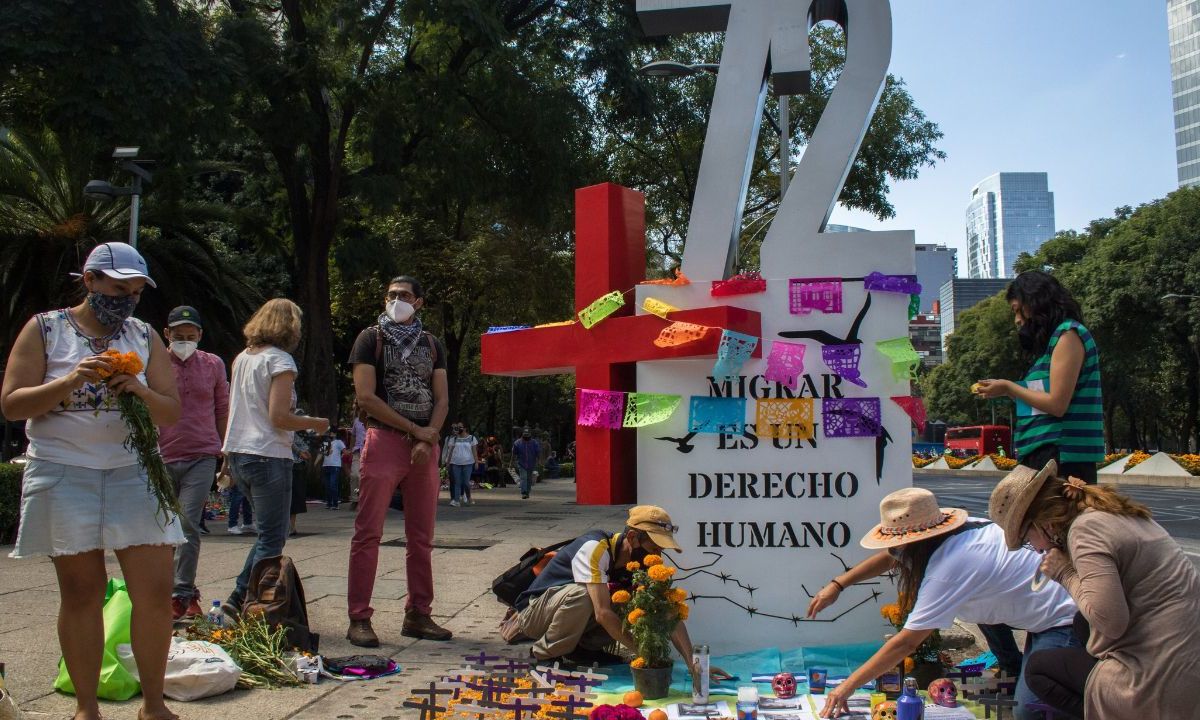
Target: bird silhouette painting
[[840, 354]]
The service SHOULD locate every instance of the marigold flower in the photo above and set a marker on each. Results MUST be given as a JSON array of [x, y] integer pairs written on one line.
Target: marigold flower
[[635, 615], [661, 573], [633, 566], [127, 363], [638, 663], [652, 560], [909, 665], [683, 611], [621, 597], [677, 595]]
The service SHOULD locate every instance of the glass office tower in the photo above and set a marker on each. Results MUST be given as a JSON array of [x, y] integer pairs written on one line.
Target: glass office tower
[[1009, 213], [1183, 30]]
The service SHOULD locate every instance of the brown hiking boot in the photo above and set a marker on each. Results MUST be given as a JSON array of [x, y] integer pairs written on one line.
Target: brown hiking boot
[[418, 625], [362, 634]]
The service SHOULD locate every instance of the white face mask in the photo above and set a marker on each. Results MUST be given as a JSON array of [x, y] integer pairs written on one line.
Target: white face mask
[[400, 311], [183, 349]]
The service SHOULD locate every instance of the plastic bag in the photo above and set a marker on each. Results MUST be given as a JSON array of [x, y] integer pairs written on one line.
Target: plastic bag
[[195, 669], [116, 683]]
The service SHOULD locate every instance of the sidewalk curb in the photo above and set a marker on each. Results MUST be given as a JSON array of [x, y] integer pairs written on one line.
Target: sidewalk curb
[[1151, 480]]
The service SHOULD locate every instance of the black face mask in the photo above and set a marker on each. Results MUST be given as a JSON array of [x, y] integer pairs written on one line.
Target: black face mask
[[1027, 337]]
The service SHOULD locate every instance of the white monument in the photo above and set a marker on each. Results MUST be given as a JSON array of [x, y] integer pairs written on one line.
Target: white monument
[[766, 522]]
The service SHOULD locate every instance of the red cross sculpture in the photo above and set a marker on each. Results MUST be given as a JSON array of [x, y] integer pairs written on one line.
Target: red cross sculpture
[[610, 254]]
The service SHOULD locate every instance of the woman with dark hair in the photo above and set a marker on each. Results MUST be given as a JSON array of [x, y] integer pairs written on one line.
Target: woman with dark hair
[[1060, 414], [950, 566], [1133, 584]]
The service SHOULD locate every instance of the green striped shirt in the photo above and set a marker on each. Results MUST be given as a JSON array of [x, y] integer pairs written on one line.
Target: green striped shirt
[[1079, 433]]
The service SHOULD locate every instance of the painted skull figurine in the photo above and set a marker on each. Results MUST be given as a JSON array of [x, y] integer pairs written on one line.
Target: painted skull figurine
[[943, 692], [884, 711], [784, 685]]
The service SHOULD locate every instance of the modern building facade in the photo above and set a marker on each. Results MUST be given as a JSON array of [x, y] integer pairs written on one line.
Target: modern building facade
[[924, 330], [962, 294], [936, 266], [1183, 31], [1009, 213]]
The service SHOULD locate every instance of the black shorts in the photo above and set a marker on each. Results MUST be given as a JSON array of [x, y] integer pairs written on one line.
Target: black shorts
[[1038, 457]]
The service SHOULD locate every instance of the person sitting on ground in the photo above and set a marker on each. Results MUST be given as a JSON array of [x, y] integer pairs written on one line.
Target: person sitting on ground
[[568, 612], [1134, 586], [951, 567]]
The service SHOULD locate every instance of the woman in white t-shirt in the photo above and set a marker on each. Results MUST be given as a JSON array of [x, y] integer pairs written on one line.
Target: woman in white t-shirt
[[83, 490], [258, 439], [950, 566]]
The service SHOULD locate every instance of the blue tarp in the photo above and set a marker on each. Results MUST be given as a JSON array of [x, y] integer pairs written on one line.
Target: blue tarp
[[838, 660]]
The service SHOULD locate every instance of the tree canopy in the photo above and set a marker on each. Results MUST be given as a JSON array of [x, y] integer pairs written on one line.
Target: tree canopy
[[315, 148]]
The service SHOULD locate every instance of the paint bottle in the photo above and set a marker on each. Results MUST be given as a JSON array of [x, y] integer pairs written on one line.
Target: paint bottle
[[909, 706]]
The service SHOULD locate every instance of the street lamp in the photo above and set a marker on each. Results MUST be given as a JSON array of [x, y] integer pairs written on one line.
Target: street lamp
[[672, 69], [104, 191]]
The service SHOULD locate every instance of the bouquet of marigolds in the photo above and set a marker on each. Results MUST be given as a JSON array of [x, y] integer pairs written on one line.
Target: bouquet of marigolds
[[260, 651], [927, 651], [143, 435], [652, 610]]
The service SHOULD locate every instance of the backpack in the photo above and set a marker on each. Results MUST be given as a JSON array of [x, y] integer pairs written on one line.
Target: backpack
[[275, 591], [509, 584]]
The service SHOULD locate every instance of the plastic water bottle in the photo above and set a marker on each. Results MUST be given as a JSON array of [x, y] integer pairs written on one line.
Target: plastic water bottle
[[700, 679], [909, 706], [215, 616]]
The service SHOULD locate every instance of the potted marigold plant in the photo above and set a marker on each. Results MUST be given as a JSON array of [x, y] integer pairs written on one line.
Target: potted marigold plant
[[651, 612]]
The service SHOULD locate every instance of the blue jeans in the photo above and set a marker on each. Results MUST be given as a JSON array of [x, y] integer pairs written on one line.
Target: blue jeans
[[460, 482], [526, 479], [1058, 637], [192, 478], [267, 482], [239, 504], [333, 495]]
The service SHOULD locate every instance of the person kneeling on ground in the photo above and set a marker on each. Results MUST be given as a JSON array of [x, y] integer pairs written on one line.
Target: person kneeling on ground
[[1134, 586], [950, 566], [568, 612]]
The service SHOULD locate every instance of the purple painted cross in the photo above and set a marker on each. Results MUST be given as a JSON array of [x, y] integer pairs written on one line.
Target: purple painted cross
[[519, 706], [570, 707], [481, 660]]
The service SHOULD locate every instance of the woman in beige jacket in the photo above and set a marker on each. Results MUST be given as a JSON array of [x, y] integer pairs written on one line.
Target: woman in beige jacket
[[1132, 583]]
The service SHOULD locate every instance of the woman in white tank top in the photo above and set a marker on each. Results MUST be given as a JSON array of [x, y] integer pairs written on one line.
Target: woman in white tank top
[[83, 492]]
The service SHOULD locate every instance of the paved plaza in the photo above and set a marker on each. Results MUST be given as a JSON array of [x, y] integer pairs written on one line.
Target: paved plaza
[[473, 545]]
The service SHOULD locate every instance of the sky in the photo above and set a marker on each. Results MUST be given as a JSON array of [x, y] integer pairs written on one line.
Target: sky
[[1077, 89]]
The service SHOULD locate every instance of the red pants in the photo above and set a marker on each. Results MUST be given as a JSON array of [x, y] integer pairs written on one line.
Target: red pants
[[386, 464]]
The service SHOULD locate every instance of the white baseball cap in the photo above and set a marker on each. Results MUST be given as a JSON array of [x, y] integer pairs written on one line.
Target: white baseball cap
[[118, 260]]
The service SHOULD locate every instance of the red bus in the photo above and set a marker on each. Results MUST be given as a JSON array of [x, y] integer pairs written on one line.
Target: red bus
[[979, 440]]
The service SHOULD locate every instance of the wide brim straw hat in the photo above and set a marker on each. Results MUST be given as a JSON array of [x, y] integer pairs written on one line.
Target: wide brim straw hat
[[910, 515], [1013, 496]]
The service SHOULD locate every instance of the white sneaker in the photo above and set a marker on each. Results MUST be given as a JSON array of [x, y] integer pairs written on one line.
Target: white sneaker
[[251, 529], [235, 530], [454, 503]]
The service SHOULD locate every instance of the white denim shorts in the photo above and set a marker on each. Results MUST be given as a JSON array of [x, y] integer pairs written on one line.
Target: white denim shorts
[[67, 510]]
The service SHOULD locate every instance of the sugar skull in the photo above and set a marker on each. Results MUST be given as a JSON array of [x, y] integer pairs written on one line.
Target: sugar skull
[[884, 711], [784, 685], [943, 692]]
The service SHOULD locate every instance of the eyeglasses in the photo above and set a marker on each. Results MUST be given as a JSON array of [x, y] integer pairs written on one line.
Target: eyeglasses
[[404, 295], [667, 526]]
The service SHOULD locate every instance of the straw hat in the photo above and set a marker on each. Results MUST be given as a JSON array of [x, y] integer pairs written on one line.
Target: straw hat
[[910, 515], [1013, 496]]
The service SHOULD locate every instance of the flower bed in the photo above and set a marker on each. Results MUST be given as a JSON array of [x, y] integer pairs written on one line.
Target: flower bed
[[1137, 457], [1110, 458], [1001, 462], [920, 462], [1189, 462], [957, 463]]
